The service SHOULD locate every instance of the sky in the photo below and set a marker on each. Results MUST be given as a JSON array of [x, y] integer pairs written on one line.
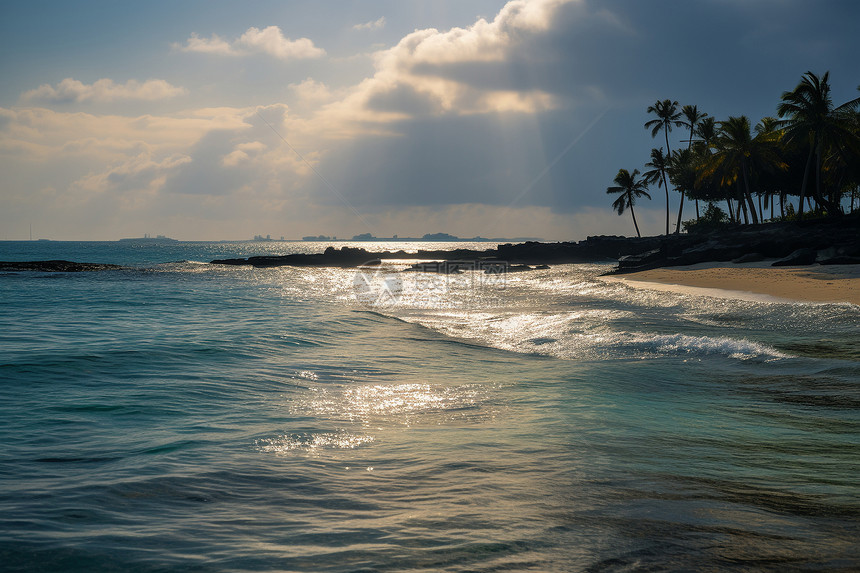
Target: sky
[[211, 120]]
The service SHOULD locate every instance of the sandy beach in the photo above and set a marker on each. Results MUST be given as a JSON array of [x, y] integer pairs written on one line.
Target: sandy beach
[[815, 283]]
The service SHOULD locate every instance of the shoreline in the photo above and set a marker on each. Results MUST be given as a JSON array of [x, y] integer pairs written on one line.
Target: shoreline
[[753, 281]]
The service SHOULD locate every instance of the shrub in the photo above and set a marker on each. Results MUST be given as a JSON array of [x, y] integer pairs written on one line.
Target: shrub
[[713, 218]]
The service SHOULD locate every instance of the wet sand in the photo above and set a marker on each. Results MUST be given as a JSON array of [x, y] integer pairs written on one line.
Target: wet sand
[[815, 283]]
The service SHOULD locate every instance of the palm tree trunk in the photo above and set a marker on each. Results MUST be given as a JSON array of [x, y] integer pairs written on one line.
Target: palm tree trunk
[[819, 198], [666, 188], [731, 209], [805, 177], [742, 205], [667, 207], [680, 210], [748, 195], [689, 146], [634, 217]]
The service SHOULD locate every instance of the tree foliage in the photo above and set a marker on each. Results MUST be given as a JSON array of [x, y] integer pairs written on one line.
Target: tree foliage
[[811, 152]]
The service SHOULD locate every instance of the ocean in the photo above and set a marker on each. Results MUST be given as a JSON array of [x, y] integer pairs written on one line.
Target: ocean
[[181, 416]]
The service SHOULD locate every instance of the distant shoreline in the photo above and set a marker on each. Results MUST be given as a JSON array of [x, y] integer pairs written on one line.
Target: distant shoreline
[[831, 241]]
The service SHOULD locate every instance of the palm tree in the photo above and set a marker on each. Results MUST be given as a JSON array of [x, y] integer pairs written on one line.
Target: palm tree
[[659, 164], [631, 189], [812, 120], [706, 131], [733, 146], [768, 139], [739, 156], [692, 118], [667, 116], [708, 188], [682, 174]]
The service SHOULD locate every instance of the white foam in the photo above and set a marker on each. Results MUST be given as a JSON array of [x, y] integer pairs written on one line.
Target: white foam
[[685, 344]]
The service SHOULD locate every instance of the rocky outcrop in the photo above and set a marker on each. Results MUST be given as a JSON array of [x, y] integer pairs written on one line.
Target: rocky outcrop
[[592, 249], [54, 266], [802, 256], [828, 241]]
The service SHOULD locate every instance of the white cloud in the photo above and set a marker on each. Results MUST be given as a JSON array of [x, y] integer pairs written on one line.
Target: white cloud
[[413, 78], [269, 40], [243, 152], [101, 170], [311, 92], [141, 172], [103, 91], [372, 25], [213, 45], [42, 134]]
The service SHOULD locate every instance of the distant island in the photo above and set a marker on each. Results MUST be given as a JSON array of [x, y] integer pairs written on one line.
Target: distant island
[[149, 239], [443, 238]]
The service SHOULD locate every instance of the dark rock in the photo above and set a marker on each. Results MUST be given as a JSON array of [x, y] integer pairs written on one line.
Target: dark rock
[[828, 254], [441, 267], [749, 258], [519, 268], [839, 260], [804, 256], [55, 266]]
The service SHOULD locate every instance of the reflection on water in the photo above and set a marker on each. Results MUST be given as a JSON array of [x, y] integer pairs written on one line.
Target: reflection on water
[[373, 405], [312, 443]]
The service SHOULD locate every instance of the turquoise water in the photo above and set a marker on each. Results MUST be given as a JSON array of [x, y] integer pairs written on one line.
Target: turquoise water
[[184, 416]]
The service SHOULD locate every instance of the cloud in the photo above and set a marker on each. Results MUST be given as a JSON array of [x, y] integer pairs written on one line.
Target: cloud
[[103, 91], [45, 135], [213, 45], [432, 72], [88, 157], [372, 25], [141, 172], [269, 40], [311, 91], [243, 153], [103, 169], [6, 117]]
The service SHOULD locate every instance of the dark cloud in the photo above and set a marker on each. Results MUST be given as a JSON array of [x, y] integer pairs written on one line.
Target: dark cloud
[[403, 98]]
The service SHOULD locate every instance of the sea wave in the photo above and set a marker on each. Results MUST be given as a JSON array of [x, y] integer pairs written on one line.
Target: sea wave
[[584, 335]]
